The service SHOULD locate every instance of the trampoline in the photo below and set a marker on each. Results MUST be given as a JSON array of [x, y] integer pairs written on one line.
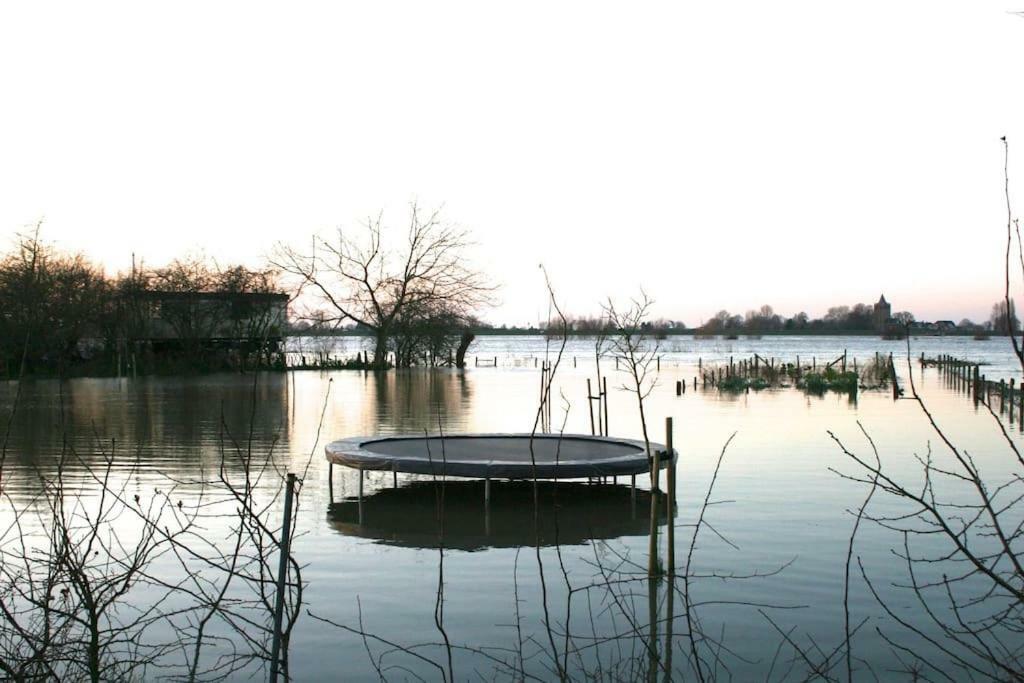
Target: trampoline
[[497, 456]]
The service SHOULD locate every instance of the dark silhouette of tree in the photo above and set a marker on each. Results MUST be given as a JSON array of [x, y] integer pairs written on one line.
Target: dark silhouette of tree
[[903, 317], [361, 278], [49, 302], [1000, 322]]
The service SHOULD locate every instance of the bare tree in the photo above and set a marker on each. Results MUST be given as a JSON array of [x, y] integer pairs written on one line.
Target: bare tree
[[49, 301], [961, 542], [1003, 319], [629, 343], [360, 278]]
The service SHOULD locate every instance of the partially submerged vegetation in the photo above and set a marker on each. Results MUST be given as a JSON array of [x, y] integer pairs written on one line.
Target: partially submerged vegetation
[[829, 380], [841, 375]]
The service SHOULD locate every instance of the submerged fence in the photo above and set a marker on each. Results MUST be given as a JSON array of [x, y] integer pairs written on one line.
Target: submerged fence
[[1002, 398]]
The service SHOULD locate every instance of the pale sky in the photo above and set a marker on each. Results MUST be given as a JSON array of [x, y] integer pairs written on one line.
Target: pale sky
[[721, 155]]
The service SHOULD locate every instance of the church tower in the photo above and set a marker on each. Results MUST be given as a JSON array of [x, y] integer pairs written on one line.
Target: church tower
[[883, 311]]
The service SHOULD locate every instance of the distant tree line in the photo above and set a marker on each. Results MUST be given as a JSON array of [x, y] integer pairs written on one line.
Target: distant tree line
[[859, 318]]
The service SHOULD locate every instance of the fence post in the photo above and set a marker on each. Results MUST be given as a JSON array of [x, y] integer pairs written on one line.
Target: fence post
[[670, 511], [604, 391], [282, 572]]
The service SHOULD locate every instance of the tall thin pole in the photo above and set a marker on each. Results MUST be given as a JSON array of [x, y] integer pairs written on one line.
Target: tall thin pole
[[282, 571], [604, 390], [670, 475]]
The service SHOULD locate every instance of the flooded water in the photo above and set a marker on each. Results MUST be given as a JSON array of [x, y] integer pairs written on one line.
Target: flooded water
[[768, 566]]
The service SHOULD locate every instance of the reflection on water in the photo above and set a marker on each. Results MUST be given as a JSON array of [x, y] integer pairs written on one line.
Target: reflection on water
[[567, 513], [779, 501]]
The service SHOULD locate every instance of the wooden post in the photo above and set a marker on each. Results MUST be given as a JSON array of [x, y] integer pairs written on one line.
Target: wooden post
[[590, 407], [604, 390], [670, 467], [655, 472], [679, 388], [1020, 412], [895, 382], [671, 483], [282, 571], [652, 548], [1011, 400]]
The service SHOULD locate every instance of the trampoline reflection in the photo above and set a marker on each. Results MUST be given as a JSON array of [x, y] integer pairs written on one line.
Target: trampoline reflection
[[568, 513]]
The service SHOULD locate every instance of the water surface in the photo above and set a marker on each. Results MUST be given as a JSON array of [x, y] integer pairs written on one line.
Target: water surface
[[780, 512]]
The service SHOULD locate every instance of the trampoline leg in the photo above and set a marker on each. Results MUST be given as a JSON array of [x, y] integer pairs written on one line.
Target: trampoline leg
[[487, 492], [394, 478], [360, 497], [330, 480], [632, 496]]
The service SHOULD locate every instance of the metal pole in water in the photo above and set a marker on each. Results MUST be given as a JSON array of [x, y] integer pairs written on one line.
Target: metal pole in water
[[282, 570]]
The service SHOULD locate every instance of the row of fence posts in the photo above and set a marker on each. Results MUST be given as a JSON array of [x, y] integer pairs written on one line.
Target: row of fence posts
[[753, 367], [966, 377], [324, 360]]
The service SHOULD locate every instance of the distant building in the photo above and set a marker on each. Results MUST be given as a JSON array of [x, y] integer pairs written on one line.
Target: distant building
[[943, 326], [168, 320], [883, 313]]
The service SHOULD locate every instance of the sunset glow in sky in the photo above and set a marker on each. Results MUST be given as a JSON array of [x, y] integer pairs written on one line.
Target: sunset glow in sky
[[721, 155]]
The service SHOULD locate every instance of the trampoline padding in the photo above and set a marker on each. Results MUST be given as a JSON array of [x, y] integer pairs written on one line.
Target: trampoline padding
[[502, 456]]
